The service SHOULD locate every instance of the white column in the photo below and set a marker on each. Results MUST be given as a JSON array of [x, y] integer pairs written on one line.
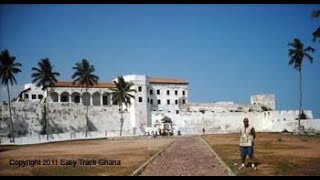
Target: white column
[[91, 100], [101, 98], [110, 100]]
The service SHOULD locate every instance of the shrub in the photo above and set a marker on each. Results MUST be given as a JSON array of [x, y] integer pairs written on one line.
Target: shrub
[[302, 115], [265, 108]]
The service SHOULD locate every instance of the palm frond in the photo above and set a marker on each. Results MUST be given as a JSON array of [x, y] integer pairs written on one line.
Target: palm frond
[[315, 13], [8, 68], [43, 75]]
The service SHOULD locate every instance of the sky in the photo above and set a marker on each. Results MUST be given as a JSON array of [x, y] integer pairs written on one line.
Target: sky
[[225, 52]]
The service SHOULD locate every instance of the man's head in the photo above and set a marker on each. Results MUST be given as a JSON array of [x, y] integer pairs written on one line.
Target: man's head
[[246, 122]]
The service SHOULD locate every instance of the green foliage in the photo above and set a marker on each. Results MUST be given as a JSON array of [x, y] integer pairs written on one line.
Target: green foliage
[[121, 94], [265, 108], [8, 69], [85, 77], [316, 33], [84, 74], [302, 115], [44, 75]]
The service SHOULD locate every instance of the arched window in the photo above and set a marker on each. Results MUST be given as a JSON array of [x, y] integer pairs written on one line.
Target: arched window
[[64, 97], [86, 99], [105, 99], [75, 97], [54, 96], [96, 99]]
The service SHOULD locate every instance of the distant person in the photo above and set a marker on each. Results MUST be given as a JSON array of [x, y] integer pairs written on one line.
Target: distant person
[[203, 131], [247, 137]]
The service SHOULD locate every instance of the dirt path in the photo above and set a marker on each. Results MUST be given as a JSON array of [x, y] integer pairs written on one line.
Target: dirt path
[[188, 156]]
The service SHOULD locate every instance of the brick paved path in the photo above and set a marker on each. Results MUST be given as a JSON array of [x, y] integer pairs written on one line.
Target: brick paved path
[[188, 156]]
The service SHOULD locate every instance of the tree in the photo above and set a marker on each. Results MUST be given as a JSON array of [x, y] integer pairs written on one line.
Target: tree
[[316, 33], [84, 76], [121, 94], [297, 55], [44, 77], [8, 69]]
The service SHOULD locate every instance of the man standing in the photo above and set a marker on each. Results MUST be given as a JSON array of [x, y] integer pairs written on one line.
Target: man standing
[[247, 137]]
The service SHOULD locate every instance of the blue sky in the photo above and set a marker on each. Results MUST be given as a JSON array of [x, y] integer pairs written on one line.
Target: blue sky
[[225, 52]]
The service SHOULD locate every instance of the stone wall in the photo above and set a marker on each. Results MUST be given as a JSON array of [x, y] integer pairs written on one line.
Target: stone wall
[[63, 117], [267, 100], [227, 122], [70, 118]]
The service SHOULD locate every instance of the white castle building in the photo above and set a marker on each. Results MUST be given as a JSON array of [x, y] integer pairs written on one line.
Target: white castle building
[[156, 99]]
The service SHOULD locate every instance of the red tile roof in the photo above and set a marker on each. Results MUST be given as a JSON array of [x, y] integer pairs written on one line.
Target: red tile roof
[[70, 84], [156, 80], [152, 80]]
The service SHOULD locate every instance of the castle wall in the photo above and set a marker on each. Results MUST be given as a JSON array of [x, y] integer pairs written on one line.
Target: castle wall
[[67, 120], [70, 117], [227, 122], [139, 110], [267, 100], [63, 117], [220, 107]]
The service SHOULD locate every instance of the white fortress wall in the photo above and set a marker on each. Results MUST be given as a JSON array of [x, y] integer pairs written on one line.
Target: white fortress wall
[[64, 117], [226, 122], [267, 100], [138, 109]]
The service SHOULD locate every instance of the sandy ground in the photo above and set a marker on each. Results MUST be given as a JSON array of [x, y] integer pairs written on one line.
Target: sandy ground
[[275, 153], [131, 153]]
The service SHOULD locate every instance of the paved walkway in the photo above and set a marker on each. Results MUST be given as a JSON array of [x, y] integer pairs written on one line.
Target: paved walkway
[[188, 156]]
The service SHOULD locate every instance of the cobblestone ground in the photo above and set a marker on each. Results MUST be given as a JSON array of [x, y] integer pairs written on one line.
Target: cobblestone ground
[[188, 156]]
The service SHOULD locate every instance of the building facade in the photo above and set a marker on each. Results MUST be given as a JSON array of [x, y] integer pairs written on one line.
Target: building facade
[[156, 99], [152, 94]]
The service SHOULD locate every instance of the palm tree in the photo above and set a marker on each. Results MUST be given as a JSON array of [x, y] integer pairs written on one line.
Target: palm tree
[[84, 76], [44, 77], [122, 95], [8, 69], [316, 33], [297, 54]]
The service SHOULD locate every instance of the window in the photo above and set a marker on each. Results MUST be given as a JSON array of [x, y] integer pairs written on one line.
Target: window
[[183, 92], [26, 96], [140, 99], [151, 101], [158, 91], [176, 101], [168, 92], [159, 101], [168, 101], [64, 98], [177, 111], [183, 101], [176, 92], [148, 100], [40, 96], [151, 91], [33, 96], [139, 88], [104, 100]]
